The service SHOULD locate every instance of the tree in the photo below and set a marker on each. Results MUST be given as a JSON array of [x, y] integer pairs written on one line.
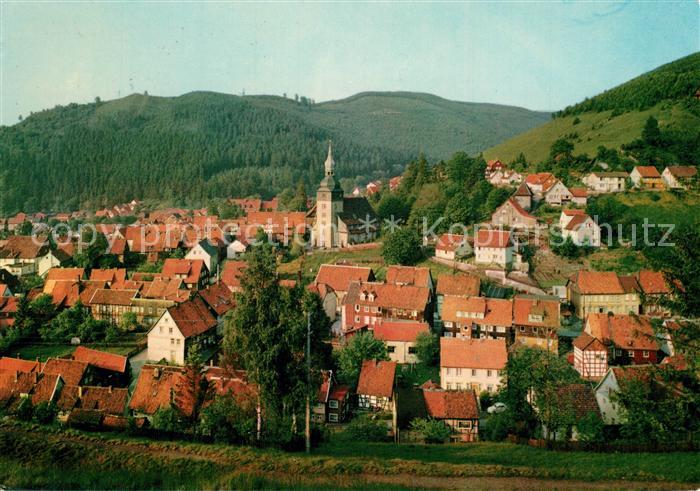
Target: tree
[[392, 205], [25, 228], [128, 322], [228, 421], [45, 412], [428, 348], [195, 390], [432, 430], [365, 429], [402, 246], [361, 347], [169, 419], [651, 134]]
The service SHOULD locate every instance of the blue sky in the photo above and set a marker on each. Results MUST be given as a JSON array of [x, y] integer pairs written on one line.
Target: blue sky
[[540, 55]]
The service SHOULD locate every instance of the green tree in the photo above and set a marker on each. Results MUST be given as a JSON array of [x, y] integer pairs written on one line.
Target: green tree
[[428, 348], [365, 429], [45, 412], [651, 134], [392, 205], [128, 322], [225, 420], [25, 228], [361, 347], [432, 430], [169, 420], [402, 246]]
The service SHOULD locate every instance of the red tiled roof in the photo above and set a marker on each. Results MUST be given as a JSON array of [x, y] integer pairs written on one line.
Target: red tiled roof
[[192, 317], [18, 365], [408, 275], [65, 274], [580, 398], [624, 331], [101, 359], [598, 282], [114, 275], [23, 247], [14, 384], [579, 192], [473, 353], [492, 238], [71, 371], [118, 246], [157, 387], [230, 276], [443, 404], [449, 242], [400, 331], [45, 389], [191, 268], [111, 400], [218, 297], [339, 277], [586, 342], [576, 221], [458, 284], [652, 282], [523, 190], [682, 171], [526, 305], [540, 178], [377, 378], [496, 311], [648, 171], [389, 296], [516, 206], [570, 212]]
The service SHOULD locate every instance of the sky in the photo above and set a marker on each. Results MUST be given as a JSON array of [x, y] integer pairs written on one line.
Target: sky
[[538, 55]]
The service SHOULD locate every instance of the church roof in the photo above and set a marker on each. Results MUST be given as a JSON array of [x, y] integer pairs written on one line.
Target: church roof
[[357, 212]]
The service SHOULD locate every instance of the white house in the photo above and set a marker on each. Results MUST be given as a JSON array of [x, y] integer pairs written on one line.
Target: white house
[[235, 248], [472, 363], [400, 339], [25, 255], [679, 176], [494, 247], [557, 194], [606, 182], [178, 328], [207, 252], [451, 247], [582, 230], [610, 384]]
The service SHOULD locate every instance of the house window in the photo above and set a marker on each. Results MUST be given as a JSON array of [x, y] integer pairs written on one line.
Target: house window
[[464, 424], [357, 318], [488, 373], [357, 307], [449, 386], [333, 418], [333, 404], [178, 342], [645, 354], [630, 354], [170, 330], [390, 349], [458, 386], [522, 328], [473, 372], [411, 350], [489, 388], [172, 341]]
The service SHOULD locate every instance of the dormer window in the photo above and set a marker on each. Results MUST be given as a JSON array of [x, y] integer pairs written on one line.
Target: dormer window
[[363, 296], [535, 317], [371, 297]]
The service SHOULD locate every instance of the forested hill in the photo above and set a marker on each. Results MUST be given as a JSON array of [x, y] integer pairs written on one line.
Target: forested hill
[[616, 117], [200, 145]]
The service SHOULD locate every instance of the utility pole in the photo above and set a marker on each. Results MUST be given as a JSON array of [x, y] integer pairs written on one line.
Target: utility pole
[[308, 383]]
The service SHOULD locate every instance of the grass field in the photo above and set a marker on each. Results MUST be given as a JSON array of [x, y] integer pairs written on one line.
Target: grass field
[[33, 351], [593, 130], [39, 457]]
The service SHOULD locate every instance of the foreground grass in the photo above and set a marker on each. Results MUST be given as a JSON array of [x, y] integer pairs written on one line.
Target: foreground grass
[[39, 457]]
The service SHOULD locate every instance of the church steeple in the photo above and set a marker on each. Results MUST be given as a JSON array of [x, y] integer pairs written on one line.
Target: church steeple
[[329, 160]]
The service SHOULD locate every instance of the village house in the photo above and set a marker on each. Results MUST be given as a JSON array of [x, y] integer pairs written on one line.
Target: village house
[[511, 214], [208, 253], [654, 290], [582, 230], [557, 194], [504, 178], [579, 196], [493, 166], [409, 275], [159, 387], [77, 400], [536, 320], [630, 338], [72, 372], [231, 274], [679, 176], [523, 196], [193, 272], [109, 369], [339, 221], [332, 401], [179, 328], [400, 339], [578, 401], [337, 278], [8, 309], [451, 247], [458, 285], [376, 386], [474, 364], [477, 317], [603, 292], [606, 182], [219, 299], [590, 357], [647, 177], [459, 410], [609, 385], [494, 247], [539, 184], [371, 303], [395, 182], [19, 365], [109, 276], [27, 255]]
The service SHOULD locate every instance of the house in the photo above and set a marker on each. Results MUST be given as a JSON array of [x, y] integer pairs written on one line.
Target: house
[[679, 176], [193, 272], [578, 402], [582, 230], [602, 292], [24, 255], [376, 386], [474, 364], [579, 196], [590, 357], [477, 317], [459, 410], [523, 196], [409, 275], [219, 299], [606, 182], [332, 401], [511, 214], [395, 182], [494, 247], [536, 320], [647, 177], [458, 285], [179, 328], [557, 194], [231, 274], [338, 277], [400, 339], [236, 247], [630, 338], [567, 215], [451, 247], [504, 178], [371, 303], [109, 276], [105, 400], [336, 220], [609, 385], [540, 183], [493, 166], [207, 252], [19, 365], [109, 369], [72, 372], [654, 290], [159, 387], [8, 309]]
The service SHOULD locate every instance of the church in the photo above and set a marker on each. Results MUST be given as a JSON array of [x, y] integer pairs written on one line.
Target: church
[[336, 220]]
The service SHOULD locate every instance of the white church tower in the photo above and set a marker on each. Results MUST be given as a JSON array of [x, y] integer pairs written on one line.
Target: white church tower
[[329, 203]]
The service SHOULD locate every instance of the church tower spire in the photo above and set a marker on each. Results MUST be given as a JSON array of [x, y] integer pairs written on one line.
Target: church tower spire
[[329, 160]]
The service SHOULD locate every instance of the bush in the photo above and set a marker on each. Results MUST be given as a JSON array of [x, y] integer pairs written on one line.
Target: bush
[[486, 399], [432, 430], [45, 412], [364, 428], [428, 348], [25, 410]]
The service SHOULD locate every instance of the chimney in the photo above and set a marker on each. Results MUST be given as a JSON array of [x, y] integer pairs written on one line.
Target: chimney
[[80, 391], [35, 377], [16, 376], [110, 389]]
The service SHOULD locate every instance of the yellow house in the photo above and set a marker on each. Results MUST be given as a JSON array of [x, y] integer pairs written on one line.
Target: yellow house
[[603, 292]]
